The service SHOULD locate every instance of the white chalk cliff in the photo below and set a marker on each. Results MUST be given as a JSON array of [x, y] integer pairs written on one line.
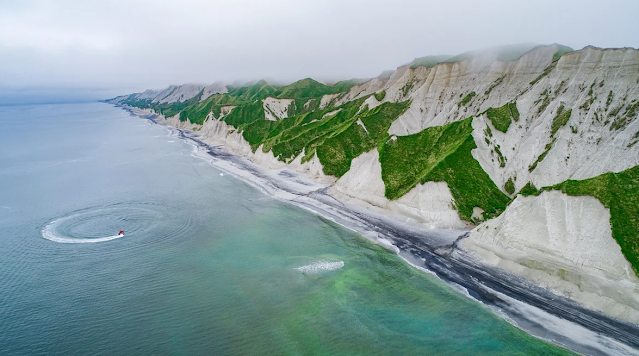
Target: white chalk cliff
[[560, 242], [563, 243]]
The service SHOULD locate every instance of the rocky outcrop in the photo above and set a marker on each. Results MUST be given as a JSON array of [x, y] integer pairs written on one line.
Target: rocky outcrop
[[276, 109]]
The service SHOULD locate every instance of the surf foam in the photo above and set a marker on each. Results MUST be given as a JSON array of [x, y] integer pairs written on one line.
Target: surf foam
[[321, 266]]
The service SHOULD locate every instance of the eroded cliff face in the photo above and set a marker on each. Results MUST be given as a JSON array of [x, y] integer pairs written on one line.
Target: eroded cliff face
[[430, 203], [215, 88], [575, 117], [275, 109], [599, 89], [563, 243], [541, 119], [172, 94], [576, 120]]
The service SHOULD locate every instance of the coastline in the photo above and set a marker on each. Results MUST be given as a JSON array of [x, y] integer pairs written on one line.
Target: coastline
[[533, 309]]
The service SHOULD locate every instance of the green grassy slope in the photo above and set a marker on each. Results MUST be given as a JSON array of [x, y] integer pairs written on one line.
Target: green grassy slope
[[197, 112], [501, 117], [309, 88], [337, 138], [339, 150], [560, 52], [250, 93], [339, 134], [441, 154]]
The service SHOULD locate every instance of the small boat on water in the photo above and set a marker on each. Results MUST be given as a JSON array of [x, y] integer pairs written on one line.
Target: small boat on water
[[121, 233]]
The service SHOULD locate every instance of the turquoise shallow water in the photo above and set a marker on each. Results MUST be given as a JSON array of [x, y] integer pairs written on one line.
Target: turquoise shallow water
[[207, 265]]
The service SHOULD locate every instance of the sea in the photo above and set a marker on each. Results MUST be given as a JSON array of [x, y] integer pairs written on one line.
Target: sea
[[207, 264]]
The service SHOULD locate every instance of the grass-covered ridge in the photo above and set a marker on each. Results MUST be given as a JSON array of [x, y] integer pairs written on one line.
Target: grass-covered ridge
[[306, 94], [441, 154], [250, 93], [618, 192], [367, 132], [197, 112], [561, 50], [337, 135], [428, 61], [307, 88]]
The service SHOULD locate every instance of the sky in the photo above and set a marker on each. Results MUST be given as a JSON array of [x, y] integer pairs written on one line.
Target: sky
[[76, 50]]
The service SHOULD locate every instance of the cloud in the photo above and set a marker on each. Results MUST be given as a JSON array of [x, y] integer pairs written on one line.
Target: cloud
[[118, 45]]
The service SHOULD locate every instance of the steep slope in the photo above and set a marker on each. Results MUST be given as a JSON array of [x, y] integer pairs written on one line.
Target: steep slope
[[442, 154], [578, 120], [172, 94], [215, 88], [449, 141], [563, 243]]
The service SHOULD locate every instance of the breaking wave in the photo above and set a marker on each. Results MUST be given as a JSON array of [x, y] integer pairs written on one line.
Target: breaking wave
[[321, 266]]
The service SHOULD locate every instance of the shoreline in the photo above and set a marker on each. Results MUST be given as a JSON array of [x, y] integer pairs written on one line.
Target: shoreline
[[531, 308]]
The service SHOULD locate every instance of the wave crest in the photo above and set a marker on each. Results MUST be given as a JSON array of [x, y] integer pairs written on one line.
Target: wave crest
[[321, 266]]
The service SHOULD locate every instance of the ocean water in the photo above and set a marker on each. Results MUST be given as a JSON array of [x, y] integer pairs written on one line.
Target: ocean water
[[207, 265]]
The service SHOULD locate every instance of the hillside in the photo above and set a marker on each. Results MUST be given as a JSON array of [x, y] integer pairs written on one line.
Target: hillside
[[464, 141]]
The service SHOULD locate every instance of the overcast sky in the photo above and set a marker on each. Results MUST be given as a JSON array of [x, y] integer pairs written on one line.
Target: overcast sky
[[90, 49]]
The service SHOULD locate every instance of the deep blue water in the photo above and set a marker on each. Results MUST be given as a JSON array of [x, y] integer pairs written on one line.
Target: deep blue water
[[207, 265]]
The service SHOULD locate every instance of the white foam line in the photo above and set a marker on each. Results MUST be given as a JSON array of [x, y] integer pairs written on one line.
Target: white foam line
[[49, 234], [321, 266], [568, 329], [66, 240]]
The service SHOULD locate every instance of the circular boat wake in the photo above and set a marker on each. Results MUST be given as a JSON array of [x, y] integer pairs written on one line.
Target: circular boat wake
[[100, 224]]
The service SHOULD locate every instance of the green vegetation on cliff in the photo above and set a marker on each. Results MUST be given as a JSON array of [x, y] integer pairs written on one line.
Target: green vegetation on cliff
[[618, 192], [249, 93], [197, 112], [509, 186], [337, 135], [501, 117], [560, 119], [467, 98], [307, 88], [561, 50], [306, 94], [441, 154], [529, 189], [367, 132]]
